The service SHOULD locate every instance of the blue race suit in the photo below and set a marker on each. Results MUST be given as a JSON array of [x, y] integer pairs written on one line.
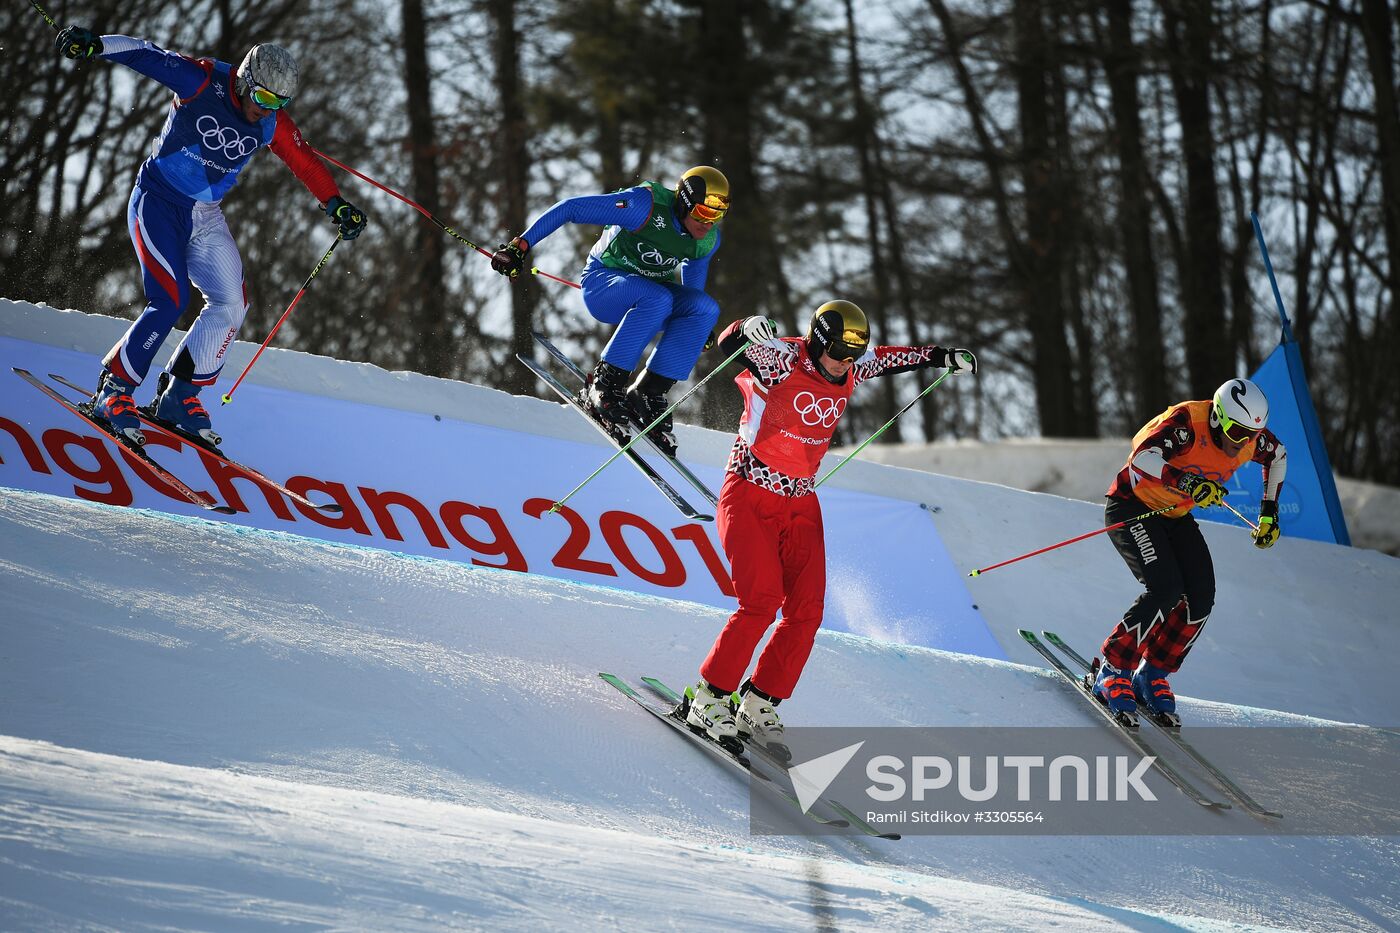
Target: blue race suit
[[174, 218], [640, 306]]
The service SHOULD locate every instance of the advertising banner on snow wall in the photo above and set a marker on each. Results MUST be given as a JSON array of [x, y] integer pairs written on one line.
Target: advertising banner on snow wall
[[435, 486]]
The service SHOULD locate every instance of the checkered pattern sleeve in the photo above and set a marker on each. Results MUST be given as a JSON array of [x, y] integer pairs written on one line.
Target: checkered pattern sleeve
[[771, 362], [884, 361]]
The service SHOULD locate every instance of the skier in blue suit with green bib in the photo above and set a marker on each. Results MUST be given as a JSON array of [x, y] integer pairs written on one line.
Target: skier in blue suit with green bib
[[647, 275]]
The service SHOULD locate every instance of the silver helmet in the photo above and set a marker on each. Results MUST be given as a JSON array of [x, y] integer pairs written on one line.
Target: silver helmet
[[271, 67]]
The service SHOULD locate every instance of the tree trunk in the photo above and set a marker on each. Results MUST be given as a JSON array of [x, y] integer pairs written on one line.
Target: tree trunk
[[1380, 53], [1123, 65], [1043, 284], [742, 275], [863, 130], [1208, 357], [433, 342], [515, 172]]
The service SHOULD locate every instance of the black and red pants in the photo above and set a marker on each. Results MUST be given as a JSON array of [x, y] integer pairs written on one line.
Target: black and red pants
[[1170, 559]]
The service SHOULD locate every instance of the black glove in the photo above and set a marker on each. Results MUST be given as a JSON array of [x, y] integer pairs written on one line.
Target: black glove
[[957, 360], [1268, 531], [509, 258], [350, 218], [77, 42], [1204, 491]]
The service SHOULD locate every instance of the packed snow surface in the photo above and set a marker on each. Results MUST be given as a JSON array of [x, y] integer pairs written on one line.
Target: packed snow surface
[[208, 727]]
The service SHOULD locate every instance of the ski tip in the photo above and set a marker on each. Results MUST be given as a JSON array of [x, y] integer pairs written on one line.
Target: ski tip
[[975, 573], [224, 510], [331, 508]]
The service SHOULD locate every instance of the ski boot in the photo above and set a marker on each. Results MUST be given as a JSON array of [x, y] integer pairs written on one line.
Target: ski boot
[[1154, 696], [648, 400], [710, 713], [113, 404], [604, 397], [1114, 689], [177, 405], [758, 722]]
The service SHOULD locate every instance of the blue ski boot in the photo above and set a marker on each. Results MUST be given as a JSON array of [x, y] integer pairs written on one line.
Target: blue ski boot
[[1154, 695], [178, 405], [113, 404], [1114, 689]]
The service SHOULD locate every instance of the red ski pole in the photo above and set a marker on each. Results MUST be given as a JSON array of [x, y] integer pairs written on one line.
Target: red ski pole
[[1052, 547], [428, 214], [324, 259]]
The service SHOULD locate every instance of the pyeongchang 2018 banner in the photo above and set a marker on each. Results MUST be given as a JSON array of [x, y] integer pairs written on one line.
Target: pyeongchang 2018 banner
[[435, 486]]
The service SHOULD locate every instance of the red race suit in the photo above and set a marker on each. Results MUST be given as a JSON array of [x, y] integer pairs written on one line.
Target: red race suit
[[769, 520]]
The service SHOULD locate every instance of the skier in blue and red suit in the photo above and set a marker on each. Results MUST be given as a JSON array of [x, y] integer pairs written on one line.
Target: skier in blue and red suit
[[219, 117]]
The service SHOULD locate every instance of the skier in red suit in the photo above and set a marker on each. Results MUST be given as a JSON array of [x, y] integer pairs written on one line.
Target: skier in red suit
[[770, 523]]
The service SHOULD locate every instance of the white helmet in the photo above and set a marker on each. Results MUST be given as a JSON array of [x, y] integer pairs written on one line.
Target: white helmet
[[1239, 410], [270, 67]]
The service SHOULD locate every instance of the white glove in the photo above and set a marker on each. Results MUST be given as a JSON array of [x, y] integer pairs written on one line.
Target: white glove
[[959, 360], [759, 329]]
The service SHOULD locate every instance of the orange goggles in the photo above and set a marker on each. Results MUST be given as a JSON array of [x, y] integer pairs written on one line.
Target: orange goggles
[[711, 210]]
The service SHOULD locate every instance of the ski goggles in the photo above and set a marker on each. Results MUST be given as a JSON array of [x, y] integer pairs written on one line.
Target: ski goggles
[[711, 210], [1234, 431], [851, 345], [266, 99]]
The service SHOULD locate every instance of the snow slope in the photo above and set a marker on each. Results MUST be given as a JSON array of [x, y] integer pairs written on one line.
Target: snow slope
[[213, 727], [207, 726], [1305, 627]]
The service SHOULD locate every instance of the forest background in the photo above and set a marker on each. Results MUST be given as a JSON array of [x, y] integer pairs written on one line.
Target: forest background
[[1064, 187]]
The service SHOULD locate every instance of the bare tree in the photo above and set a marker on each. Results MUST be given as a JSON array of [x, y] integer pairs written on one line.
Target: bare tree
[[1189, 28], [1122, 67], [515, 173], [434, 350]]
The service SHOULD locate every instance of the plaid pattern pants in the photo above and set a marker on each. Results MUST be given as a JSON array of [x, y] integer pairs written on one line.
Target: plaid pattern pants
[[1170, 558]]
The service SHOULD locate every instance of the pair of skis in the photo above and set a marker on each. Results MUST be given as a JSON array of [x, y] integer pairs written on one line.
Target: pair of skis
[[660, 482], [1084, 687], [145, 463], [743, 762]]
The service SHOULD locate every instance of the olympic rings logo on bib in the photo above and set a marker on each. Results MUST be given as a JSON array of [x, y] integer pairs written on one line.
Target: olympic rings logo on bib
[[654, 257], [818, 411], [223, 139]]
